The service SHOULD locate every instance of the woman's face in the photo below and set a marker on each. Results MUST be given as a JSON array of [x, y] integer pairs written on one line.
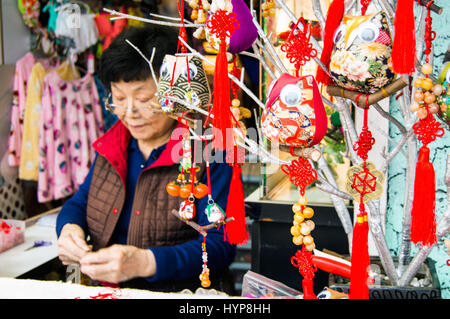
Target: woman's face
[[137, 102]]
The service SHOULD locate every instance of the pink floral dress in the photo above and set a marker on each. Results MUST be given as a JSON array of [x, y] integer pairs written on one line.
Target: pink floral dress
[[21, 75], [71, 121]]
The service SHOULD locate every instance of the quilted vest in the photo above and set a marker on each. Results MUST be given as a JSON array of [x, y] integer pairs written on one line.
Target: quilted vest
[[151, 222]]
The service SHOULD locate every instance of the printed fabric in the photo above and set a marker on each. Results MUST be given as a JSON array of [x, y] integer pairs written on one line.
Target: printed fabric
[[71, 121], [28, 169], [21, 75]]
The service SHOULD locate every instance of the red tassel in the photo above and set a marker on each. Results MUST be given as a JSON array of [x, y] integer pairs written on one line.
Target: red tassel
[[334, 17], [308, 292], [236, 230], [423, 220], [360, 259], [404, 47], [222, 102]]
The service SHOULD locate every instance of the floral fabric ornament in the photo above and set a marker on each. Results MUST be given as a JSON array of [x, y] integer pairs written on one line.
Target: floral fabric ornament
[[294, 114], [360, 59]]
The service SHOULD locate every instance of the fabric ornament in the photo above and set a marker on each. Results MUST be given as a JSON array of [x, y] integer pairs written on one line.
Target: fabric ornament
[[173, 82], [294, 114]]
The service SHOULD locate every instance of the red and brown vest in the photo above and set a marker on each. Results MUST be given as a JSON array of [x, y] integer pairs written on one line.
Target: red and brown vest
[[151, 221]]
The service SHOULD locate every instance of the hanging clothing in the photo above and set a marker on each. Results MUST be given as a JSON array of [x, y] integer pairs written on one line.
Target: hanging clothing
[[108, 30], [71, 120], [21, 75], [28, 169], [53, 15], [81, 28]]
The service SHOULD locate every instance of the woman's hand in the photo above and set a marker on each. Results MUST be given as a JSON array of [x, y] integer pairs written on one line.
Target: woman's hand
[[118, 263], [72, 245]]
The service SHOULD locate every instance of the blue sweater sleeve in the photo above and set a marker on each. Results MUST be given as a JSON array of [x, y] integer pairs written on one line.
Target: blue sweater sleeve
[[74, 209], [185, 260]]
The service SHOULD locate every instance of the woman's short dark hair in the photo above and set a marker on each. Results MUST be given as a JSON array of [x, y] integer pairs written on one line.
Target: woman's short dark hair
[[121, 62]]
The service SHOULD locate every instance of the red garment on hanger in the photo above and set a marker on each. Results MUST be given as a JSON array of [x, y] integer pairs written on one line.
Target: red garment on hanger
[[107, 29]]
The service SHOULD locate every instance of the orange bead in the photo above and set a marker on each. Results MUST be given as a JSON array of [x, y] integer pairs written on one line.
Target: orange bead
[[305, 230], [308, 240], [185, 191], [429, 98], [418, 96], [310, 224], [173, 189], [308, 212], [295, 230], [200, 190], [427, 68], [296, 208], [422, 113], [298, 240], [310, 247], [414, 106], [302, 201], [298, 217]]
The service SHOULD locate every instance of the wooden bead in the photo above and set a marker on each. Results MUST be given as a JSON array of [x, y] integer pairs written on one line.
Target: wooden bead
[[310, 224], [422, 113], [427, 68], [235, 103], [299, 218], [296, 208], [430, 98], [427, 84], [308, 212], [295, 230], [305, 230], [418, 96], [310, 247], [414, 106], [308, 240], [298, 240], [302, 200], [433, 108], [438, 89], [418, 83]]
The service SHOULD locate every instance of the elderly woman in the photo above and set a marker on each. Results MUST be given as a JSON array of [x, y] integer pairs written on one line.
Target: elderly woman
[[123, 205]]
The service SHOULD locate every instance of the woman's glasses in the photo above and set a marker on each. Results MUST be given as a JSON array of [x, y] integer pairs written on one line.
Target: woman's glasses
[[147, 109]]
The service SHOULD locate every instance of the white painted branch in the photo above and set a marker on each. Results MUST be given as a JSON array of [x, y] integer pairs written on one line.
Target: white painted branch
[[376, 229], [164, 23]]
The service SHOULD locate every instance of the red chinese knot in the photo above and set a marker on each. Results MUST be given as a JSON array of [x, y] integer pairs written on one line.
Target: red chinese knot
[[428, 129], [364, 143], [303, 261], [297, 47], [300, 172], [223, 24]]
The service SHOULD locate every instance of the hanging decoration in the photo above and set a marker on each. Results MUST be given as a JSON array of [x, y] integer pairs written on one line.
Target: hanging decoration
[[182, 77], [222, 24], [294, 114], [364, 183], [204, 276], [298, 47], [427, 129], [303, 261]]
